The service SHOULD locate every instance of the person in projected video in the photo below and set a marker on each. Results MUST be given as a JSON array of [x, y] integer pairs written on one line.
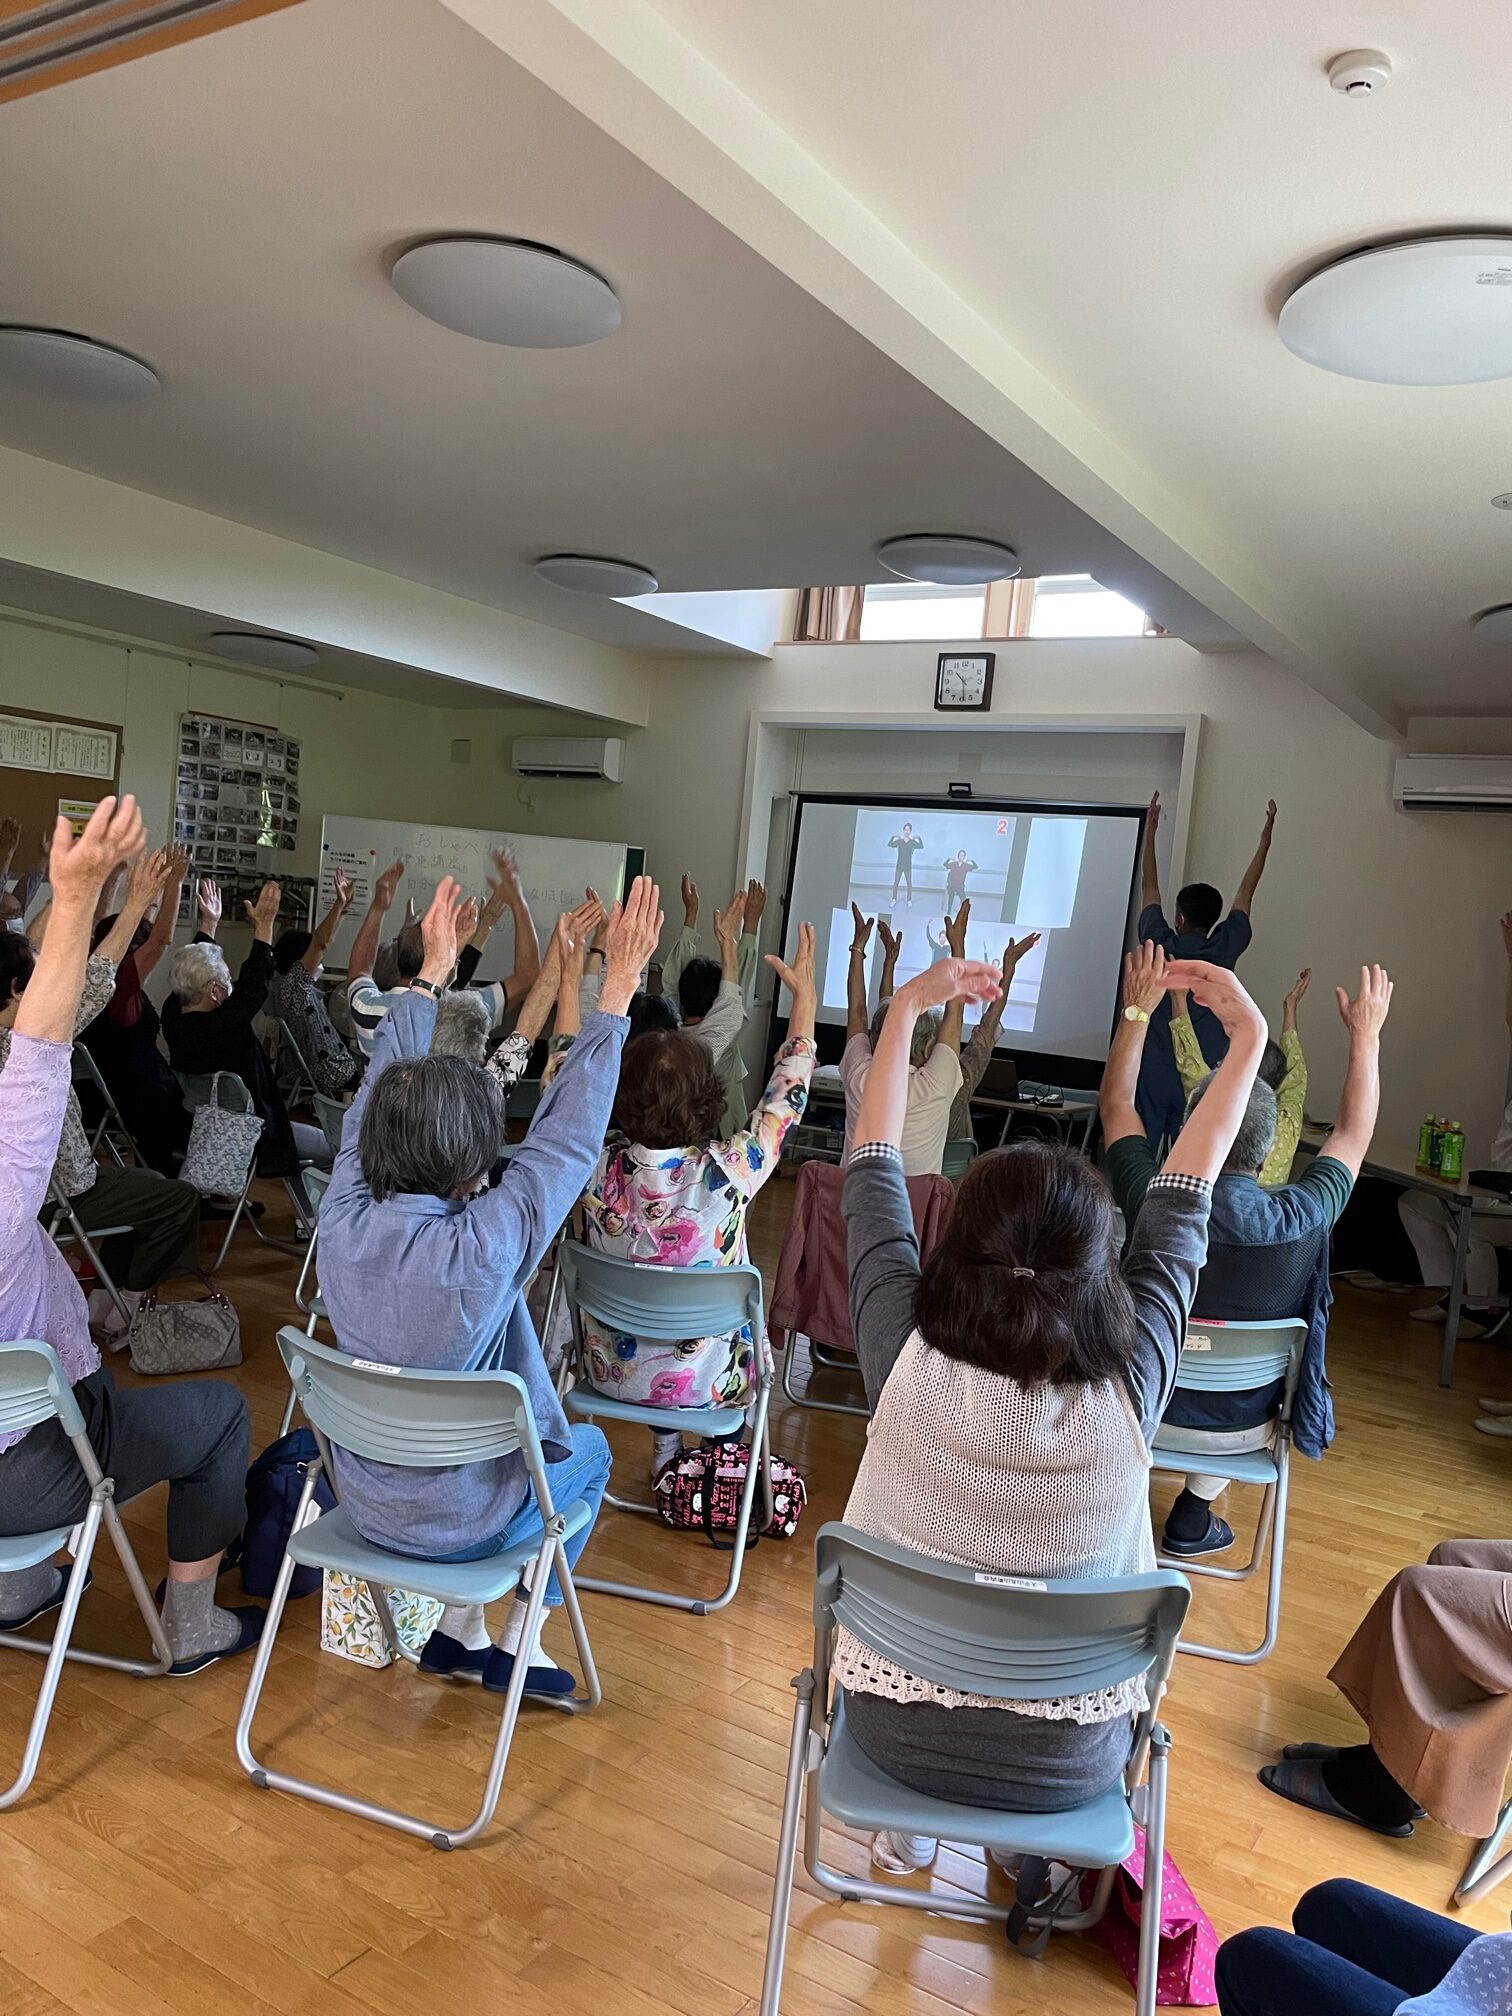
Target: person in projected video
[[904, 845], [957, 868]]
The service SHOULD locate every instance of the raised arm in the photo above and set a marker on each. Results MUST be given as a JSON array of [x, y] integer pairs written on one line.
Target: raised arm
[[208, 904], [160, 937], [80, 869], [1149, 871], [750, 1156], [955, 1011], [856, 1017], [1144, 985], [1256, 868], [1202, 1146], [892, 944], [249, 991], [884, 1098], [370, 930], [1363, 1016], [325, 930], [1190, 1062], [750, 941], [144, 886], [527, 950]]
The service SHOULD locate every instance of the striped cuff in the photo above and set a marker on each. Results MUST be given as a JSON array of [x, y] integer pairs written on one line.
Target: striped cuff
[[1175, 1179], [874, 1151]]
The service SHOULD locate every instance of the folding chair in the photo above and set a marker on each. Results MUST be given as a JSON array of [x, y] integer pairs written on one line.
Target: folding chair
[[1223, 1357], [332, 1117], [316, 1183], [298, 1082], [64, 1229], [110, 1131], [958, 1157], [984, 1634], [1486, 1869], [421, 1421], [34, 1388], [198, 1090], [671, 1303]]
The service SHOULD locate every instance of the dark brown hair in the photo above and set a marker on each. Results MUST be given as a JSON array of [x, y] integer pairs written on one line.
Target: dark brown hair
[[1070, 1320], [670, 1095]]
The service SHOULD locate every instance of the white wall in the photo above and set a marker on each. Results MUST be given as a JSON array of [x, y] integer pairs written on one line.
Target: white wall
[[1351, 878]]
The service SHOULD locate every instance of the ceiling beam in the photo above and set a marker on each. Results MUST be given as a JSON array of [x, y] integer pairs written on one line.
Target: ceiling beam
[[50, 44]]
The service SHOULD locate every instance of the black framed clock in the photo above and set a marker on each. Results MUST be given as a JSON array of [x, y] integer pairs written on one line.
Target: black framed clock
[[963, 682]]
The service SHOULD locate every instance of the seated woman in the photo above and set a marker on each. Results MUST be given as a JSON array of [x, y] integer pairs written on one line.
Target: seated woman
[[1355, 1951], [208, 1026], [297, 1001], [194, 1434], [1015, 1386], [123, 1037], [420, 1268], [667, 1190], [934, 1056]]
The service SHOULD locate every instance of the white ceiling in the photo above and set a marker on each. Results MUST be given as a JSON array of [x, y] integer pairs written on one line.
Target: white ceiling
[[228, 209], [1124, 194]]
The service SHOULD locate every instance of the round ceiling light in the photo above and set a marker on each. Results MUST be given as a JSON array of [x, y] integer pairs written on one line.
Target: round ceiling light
[[1503, 502], [948, 559], [63, 366], [256, 647], [1433, 311], [589, 575], [1494, 626], [506, 290]]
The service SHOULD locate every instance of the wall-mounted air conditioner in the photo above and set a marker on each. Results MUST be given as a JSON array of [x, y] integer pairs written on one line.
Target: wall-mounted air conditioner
[[570, 756], [1454, 783]]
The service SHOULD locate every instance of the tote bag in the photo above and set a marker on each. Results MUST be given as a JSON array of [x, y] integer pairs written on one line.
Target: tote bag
[[1188, 1943], [201, 1336], [223, 1138]]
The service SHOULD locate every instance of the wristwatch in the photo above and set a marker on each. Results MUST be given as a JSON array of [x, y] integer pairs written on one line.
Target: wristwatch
[[1133, 1014], [436, 992]]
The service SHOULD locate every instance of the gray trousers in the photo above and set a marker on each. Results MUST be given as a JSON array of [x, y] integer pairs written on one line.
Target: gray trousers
[[163, 1213], [989, 1756]]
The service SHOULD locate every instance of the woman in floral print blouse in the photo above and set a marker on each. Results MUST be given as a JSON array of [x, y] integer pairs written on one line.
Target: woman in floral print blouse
[[667, 1191]]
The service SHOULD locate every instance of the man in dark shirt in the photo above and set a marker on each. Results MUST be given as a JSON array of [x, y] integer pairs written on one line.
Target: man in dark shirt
[[904, 845], [1267, 1249], [1198, 934]]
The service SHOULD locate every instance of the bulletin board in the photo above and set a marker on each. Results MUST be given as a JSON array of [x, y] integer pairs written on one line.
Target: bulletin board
[[236, 808], [48, 763]]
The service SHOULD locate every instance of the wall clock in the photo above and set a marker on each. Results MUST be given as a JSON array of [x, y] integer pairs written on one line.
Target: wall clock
[[963, 682]]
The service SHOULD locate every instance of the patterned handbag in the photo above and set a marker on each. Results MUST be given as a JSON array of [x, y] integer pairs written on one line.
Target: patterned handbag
[[1188, 1943], [700, 1492], [223, 1138], [201, 1336]]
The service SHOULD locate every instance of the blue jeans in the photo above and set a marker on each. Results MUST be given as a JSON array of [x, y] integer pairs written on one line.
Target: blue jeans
[[584, 1474], [1355, 1952]]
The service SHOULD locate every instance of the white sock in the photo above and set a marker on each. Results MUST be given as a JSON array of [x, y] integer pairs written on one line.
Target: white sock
[[664, 1446], [466, 1623], [105, 1316], [511, 1638]]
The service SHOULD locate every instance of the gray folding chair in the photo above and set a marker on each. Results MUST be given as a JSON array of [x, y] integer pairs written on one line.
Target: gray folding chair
[[671, 1303], [984, 1634], [421, 1421], [34, 1389], [316, 1183], [1223, 1357], [958, 1155], [295, 1075], [110, 1133], [65, 1229], [1486, 1869], [332, 1117]]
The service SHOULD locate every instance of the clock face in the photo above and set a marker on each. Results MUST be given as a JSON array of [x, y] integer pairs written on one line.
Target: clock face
[[962, 681]]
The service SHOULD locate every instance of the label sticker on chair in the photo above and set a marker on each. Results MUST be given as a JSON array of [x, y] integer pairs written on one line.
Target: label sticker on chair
[[1009, 1582], [1196, 1343], [372, 1365]]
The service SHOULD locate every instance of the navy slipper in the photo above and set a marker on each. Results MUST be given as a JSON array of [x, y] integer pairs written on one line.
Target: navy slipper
[[447, 1658], [251, 1622], [1302, 1783], [1319, 1753], [1219, 1535], [551, 1682], [51, 1603]]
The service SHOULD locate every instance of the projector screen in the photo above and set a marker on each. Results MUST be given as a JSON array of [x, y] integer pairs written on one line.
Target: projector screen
[[1064, 871]]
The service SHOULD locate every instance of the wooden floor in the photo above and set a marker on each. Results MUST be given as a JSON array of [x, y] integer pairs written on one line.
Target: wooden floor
[[630, 1865]]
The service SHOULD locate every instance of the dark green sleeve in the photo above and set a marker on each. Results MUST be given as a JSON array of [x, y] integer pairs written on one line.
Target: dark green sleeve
[[1331, 1183], [1130, 1166]]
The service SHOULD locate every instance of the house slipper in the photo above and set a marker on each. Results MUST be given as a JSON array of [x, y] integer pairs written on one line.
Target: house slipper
[[1301, 1781], [53, 1602], [1319, 1753]]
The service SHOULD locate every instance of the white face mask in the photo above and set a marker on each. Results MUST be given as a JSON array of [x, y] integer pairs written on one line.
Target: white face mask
[[16, 924], [318, 971]]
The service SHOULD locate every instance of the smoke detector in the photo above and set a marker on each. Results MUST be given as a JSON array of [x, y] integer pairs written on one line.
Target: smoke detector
[[1360, 73]]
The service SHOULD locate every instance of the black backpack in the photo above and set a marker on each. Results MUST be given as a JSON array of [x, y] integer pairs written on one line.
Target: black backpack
[[274, 1484]]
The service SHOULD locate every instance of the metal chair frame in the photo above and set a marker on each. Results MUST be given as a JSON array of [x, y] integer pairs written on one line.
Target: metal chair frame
[[1486, 1869], [33, 1389], [194, 1087], [421, 1420], [110, 1131], [1234, 1357], [62, 1208]]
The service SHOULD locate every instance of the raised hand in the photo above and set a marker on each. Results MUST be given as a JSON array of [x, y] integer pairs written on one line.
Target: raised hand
[[261, 914], [149, 872], [949, 980], [1269, 826], [344, 887], [1215, 988], [209, 900], [729, 921], [955, 928], [1153, 816], [861, 929], [80, 868], [799, 977], [689, 901], [586, 919], [467, 919], [10, 838], [755, 903], [891, 940], [178, 864], [570, 945], [1144, 977], [387, 885], [631, 938], [438, 932], [1294, 998], [1363, 1013], [1013, 952]]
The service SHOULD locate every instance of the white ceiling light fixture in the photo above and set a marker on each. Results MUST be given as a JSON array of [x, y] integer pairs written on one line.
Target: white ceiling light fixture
[[507, 290], [591, 574], [948, 559], [1503, 502], [1432, 311], [257, 647], [60, 365], [1494, 626]]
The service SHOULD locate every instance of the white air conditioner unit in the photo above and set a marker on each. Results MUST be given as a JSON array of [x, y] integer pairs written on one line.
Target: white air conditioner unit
[[1454, 783], [570, 756]]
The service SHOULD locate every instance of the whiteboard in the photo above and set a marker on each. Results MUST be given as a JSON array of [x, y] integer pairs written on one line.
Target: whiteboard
[[553, 874]]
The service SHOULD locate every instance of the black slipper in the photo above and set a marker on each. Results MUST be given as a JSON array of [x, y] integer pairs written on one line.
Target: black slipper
[[250, 1622], [1218, 1537], [51, 1602], [1303, 1785], [1319, 1753]]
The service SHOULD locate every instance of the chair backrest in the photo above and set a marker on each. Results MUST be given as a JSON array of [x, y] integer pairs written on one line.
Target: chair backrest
[[1237, 1357], [34, 1388], [1010, 1638], [645, 1300], [316, 1183], [958, 1157], [420, 1420], [332, 1117], [200, 1089]]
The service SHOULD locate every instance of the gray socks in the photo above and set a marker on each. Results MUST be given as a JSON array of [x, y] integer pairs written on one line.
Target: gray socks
[[192, 1621], [21, 1592]]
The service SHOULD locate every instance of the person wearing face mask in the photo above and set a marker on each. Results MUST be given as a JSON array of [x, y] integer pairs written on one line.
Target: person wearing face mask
[[207, 1023], [297, 1001]]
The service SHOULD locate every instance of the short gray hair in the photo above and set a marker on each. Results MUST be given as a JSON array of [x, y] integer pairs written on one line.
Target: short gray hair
[[1257, 1130], [926, 1032], [462, 1024], [195, 970], [432, 1127]]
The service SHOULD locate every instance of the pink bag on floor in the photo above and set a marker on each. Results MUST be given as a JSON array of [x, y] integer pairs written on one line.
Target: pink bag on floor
[[1188, 1943]]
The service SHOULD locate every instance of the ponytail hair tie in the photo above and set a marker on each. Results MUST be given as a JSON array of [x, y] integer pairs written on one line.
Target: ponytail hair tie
[[1023, 1273]]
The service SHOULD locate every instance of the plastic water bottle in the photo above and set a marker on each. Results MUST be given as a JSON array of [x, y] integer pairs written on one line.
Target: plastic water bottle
[[1436, 1146], [1425, 1144], [1452, 1155]]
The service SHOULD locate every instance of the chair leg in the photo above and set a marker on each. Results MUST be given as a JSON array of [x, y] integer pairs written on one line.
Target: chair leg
[[580, 1638], [806, 1397], [52, 1672], [787, 1843], [1154, 1872], [241, 1205], [1273, 1516], [1484, 1870]]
